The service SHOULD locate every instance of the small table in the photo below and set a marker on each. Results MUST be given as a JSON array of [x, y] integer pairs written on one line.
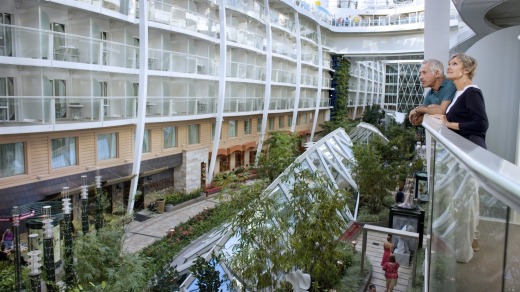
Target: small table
[[75, 111], [67, 53], [150, 108], [3, 114]]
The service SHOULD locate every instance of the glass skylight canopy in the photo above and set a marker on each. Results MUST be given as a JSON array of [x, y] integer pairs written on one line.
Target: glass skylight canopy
[[330, 156], [364, 132]]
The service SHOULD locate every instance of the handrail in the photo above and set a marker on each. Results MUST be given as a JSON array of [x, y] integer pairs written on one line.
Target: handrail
[[499, 176]]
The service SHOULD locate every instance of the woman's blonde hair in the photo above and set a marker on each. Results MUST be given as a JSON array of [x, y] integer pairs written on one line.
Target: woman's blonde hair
[[469, 63]]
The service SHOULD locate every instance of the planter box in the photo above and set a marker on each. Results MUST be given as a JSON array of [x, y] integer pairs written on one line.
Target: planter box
[[213, 190]]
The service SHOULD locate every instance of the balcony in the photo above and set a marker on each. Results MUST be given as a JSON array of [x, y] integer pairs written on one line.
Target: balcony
[[473, 194], [56, 111], [178, 17]]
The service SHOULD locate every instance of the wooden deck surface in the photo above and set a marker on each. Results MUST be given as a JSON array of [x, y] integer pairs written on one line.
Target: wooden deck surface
[[374, 253]]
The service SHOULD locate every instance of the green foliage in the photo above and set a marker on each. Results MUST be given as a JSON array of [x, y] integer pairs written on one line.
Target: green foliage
[[282, 150], [8, 279], [278, 233], [372, 175], [206, 273], [364, 214], [373, 115], [161, 252], [339, 117], [100, 259], [178, 197], [419, 276], [352, 279], [166, 280]]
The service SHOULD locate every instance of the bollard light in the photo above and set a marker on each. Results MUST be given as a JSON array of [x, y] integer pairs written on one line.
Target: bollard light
[[84, 193], [47, 222], [98, 181], [66, 201], [34, 255]]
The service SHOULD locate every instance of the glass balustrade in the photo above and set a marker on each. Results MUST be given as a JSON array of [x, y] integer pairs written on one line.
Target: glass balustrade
[[474, 223], [283, 76], [251, 8], [282, 21], [243, 104], [285, 49], [182, 18], [245, 37]]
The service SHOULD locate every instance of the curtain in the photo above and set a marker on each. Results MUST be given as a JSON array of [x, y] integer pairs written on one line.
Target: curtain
[[193, 134], [107, 146], [233, 128], [63, 152], [146, 141], [12, 159], [170, 137]]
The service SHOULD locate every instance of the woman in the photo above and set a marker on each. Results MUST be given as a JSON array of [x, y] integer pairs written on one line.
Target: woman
[[388, 248], [391, 274], [466, 115], [8, 238]]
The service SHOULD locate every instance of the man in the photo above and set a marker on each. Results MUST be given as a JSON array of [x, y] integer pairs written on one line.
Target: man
[[440, 95], [371, 288], [399, 196]]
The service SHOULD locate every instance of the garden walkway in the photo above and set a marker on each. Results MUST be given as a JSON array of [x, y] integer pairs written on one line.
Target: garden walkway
[[147, 227], [374, 254]]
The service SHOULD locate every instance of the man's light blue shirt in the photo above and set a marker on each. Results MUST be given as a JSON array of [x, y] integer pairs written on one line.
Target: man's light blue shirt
[[446, 92]]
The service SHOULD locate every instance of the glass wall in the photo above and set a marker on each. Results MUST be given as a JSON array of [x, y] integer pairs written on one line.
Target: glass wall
[[473, 231]]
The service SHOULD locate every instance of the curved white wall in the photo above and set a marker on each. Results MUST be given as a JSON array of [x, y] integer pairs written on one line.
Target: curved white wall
[[498, 75], [390, 43]]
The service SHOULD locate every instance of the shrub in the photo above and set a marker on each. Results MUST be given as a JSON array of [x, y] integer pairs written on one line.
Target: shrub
[[177, 197]]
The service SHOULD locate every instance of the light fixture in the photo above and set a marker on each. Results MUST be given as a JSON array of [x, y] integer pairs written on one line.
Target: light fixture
[[98, 181], [84, 194], [66, 200]]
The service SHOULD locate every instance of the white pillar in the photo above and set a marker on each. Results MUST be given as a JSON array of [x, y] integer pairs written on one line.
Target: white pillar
[[437, 30], [141, 110]]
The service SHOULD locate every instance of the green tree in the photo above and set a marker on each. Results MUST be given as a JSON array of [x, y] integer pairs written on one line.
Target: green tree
[[373, 115], [282, 150], [279, 232], [207, 275], [166, 280], [339, 117], [102, 263], [372, 175]]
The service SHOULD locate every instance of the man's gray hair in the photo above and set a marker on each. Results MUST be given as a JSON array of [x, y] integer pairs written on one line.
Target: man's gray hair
[[435, 65]]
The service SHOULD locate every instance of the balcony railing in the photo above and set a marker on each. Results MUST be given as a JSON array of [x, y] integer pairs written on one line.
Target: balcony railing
[[283, 76], [164, 60], [309, 80], [178, 17], [285, 49], [64, 47], [283, 21], [245, 71], [473, 194], [251, 8], [245, 37], [68, 109], [243, 104]]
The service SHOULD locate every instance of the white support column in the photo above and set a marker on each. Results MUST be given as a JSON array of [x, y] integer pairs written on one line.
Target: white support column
[[320, 82], [221, 90], [268, 72], [298, 72], [437, 30], [356, 104], [141, 110]]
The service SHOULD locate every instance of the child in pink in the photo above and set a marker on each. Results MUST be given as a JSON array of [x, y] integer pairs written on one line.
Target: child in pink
[[391, 274]]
